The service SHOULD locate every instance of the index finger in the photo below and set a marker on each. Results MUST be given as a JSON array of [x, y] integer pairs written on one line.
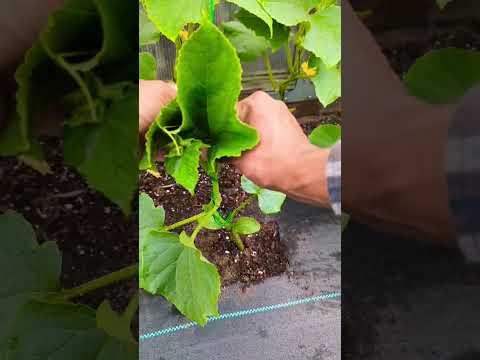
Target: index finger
[[153, 96]]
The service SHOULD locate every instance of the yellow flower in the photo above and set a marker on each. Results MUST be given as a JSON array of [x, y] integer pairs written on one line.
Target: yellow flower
[[310, 72], [184, 35]]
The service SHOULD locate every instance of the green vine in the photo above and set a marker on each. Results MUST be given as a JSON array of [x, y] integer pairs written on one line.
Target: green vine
[[101, 282]]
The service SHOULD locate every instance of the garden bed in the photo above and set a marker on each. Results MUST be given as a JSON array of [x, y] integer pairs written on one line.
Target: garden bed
[[264, 255]]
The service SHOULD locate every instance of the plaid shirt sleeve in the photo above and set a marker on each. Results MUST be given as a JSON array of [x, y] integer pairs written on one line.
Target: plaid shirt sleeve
[[463, 174], [334, 177]]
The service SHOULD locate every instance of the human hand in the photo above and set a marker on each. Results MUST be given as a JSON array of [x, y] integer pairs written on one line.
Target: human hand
[[284, 160], [393, 165], [153, 96]]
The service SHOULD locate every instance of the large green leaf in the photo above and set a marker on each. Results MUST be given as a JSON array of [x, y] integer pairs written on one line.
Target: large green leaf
[[269, 201], [115, 325], [147, 66], [14, 138], [33, 270], [328, 83], [184, 167], [150, 217], [84, 34], [171, 266], [325, 136], [256, 9], [277, 39], [248, 44], [34, 328], [79, 36], [82, 41], [148, 33], [171, 16], [106, 153], [323, 37], [58, 331], [443, 76], [209, 84], [289, 12]]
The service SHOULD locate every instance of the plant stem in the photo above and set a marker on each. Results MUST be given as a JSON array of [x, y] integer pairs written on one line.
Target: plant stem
[[215, 201], [283, 86], [298, 49], [184, 222], [81, 83], [238, 241], [196, 231], [172, 137], [268, 66], [204, 216], [242, 206], [178, 46], [114, 277], [288, 51]]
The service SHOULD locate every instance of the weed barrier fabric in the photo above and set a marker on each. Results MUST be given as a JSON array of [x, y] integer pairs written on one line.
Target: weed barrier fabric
[[407, 299], [293, 316]]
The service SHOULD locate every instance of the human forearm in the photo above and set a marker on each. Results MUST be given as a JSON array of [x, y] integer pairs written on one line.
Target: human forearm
[[307, 180], [394, 175]]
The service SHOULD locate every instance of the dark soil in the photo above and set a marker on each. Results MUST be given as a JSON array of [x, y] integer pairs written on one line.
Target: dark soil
[[309, 123], [378, 269], [402, 54], [93, 235], [264, 255]]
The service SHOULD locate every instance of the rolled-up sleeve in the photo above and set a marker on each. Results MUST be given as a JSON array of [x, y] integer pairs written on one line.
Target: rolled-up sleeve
[[334, 177], [463, 174]]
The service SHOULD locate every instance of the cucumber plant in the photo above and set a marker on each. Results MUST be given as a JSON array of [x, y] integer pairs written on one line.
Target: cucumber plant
[[203, 118], [82, 61], [39, 319], [309, 31]]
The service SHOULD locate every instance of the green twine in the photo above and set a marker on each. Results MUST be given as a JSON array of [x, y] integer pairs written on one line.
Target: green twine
[[212, 10]]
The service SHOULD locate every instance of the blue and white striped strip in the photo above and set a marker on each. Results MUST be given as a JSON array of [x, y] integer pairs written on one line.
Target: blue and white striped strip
[[242, 313]]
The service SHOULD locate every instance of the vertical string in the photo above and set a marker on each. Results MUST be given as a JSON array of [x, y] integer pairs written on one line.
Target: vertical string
[[212, 10]]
